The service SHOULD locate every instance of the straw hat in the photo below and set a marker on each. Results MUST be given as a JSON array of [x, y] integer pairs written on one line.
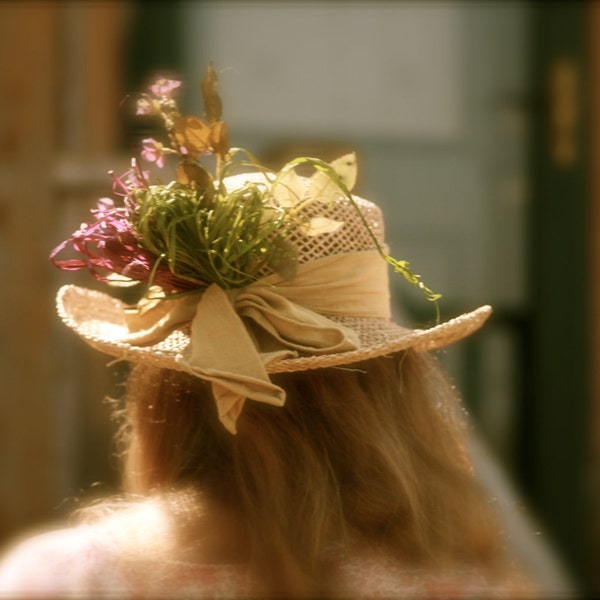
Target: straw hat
[[259, 273], [104, 322]]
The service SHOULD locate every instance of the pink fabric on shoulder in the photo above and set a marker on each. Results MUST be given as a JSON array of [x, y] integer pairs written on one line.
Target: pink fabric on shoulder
[[81, 562], [86, 562], [387, 579], [66, 562]]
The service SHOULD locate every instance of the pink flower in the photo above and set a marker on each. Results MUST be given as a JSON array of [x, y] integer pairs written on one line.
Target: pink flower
[[111, 245], [135, 179], [163, 87], [103, 207], [153, 151]]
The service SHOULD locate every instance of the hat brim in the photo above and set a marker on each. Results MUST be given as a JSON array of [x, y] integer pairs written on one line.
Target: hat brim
[[100, 320]]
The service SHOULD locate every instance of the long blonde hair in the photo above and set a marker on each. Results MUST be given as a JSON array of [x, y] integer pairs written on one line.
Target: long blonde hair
[[369, 457]]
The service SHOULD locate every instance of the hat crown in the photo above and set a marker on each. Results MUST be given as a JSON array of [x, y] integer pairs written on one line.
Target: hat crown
[[352, 236]]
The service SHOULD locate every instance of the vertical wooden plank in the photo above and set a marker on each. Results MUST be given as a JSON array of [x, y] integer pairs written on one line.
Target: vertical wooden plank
[[100, 28], [60, 88], [28, 134], [91, 126]]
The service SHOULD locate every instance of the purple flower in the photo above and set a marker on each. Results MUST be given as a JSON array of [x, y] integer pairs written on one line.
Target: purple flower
[[104, 206], [110, 245], [135, 179], [163, 87], [153, 151]]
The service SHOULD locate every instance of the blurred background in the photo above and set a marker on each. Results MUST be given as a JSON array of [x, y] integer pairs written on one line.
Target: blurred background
[[476, 130]]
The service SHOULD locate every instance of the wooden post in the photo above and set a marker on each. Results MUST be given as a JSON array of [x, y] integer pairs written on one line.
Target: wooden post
[[60, 87], [28, 144]]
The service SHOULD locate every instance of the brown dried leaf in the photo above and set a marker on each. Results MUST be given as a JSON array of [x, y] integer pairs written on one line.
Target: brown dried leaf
[[193, 175], [219, 140], [193, 134], [213, 107]]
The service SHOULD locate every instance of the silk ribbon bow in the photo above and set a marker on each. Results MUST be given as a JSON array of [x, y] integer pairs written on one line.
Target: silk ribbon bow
[[235, 334]]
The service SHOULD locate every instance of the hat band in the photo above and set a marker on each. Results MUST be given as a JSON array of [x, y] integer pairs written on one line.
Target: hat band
[[236, 333]]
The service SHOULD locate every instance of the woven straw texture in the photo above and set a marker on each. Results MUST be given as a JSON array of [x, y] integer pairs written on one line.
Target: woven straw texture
[[100, 319]]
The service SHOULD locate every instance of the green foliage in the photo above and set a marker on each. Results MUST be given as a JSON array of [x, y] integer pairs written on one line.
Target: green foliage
[[227, 239], [400, 266]]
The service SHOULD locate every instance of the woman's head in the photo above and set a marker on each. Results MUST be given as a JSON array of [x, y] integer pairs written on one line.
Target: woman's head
[[274, 289], [367, 457]]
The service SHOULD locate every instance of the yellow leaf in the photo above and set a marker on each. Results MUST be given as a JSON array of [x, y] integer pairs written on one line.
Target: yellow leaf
[[194, 175], [219, 141], [320, 225], [193, 134], [346, 168], [289, 190], [117, 280], [323, 189]]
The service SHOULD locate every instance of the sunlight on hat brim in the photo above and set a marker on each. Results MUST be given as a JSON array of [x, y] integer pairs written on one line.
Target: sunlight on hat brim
[[100, 320]]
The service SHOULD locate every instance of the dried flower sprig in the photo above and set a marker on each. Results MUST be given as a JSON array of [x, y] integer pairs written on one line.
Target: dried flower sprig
[[194, 231], [110, 246]]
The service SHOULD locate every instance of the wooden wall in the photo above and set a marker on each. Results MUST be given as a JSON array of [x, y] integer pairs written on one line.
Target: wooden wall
[[60, 86]]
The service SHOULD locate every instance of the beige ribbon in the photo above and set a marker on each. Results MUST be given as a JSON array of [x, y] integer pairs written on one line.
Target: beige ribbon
[[236, 334]]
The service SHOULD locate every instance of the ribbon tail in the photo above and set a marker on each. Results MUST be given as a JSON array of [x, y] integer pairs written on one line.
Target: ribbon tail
[[229, 406], [230, 403], [222, 352]]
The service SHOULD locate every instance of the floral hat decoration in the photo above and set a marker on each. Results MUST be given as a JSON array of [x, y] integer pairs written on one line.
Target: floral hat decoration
[[241, 274]]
